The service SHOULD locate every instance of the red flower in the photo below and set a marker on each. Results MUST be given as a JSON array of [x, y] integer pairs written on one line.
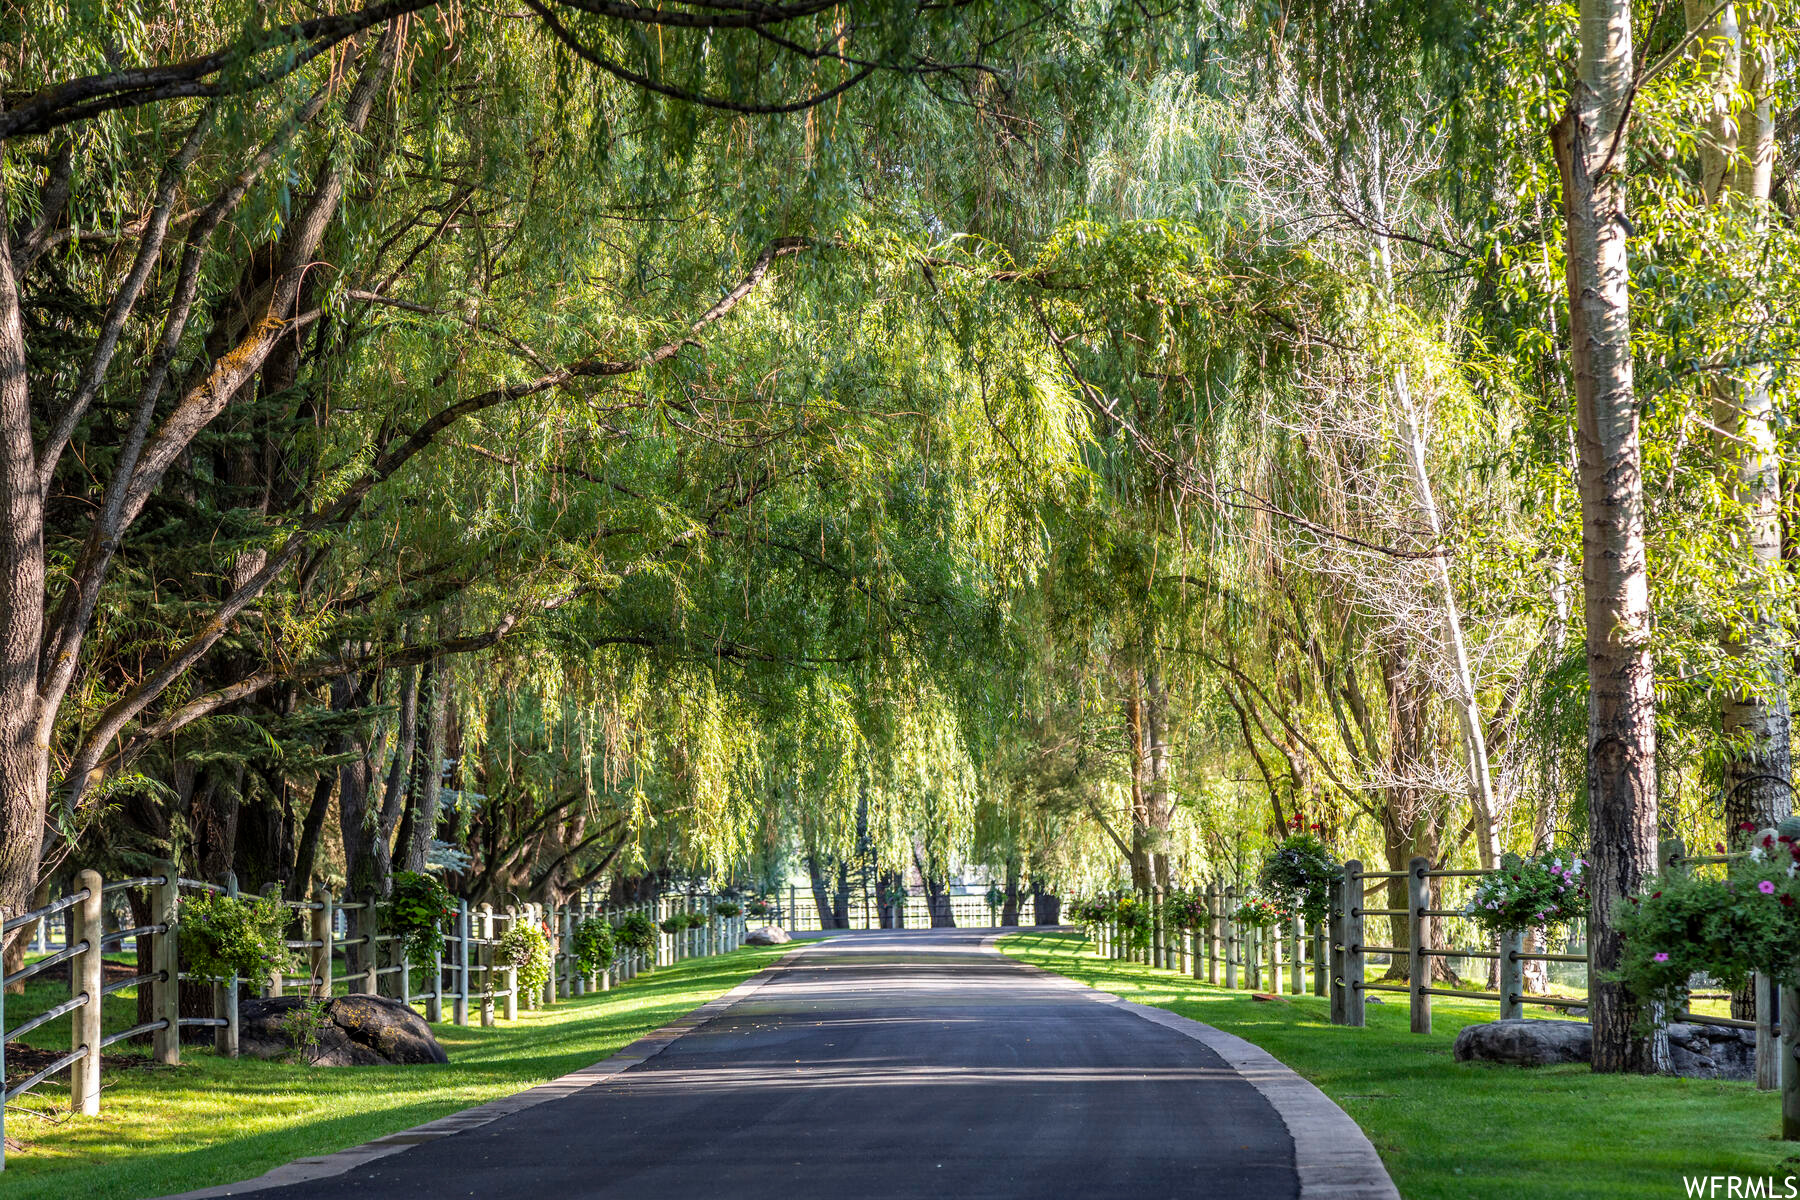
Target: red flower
[[1787, 900], [1656, 895], [1747, 826], [1719, 847]]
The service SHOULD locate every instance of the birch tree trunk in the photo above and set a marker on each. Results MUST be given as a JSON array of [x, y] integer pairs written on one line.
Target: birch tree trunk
[[1589, 141], [1411, 427]]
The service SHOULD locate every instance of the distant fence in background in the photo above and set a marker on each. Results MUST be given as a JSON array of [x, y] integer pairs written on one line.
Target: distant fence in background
[[799, 911], [345, 948], [1333, 958]]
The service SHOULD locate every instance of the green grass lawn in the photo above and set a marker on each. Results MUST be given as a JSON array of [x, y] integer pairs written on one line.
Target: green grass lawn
[[1470, 1131], [214, 1120]]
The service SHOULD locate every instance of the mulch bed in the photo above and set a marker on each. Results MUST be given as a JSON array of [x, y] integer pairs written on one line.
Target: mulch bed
[[23, 1060], [60, 974]]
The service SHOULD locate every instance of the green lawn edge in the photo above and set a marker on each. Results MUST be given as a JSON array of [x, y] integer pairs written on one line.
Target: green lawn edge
[[215, 1120], [1470, 1131]]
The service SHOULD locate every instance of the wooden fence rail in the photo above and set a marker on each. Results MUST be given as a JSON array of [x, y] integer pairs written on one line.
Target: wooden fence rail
[[326, 931]]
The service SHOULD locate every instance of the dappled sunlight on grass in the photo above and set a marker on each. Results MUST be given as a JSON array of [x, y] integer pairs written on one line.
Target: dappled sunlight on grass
[[214, 1120], [1463, 1131]]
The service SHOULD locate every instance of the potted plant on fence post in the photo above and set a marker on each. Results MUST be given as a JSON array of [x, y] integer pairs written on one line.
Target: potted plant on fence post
[[1539, 892]]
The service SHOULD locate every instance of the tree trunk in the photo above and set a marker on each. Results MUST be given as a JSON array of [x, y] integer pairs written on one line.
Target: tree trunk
[[1009, 908], [1590, 155], [937, 897], [424, 817], [24, 735], [821, 893]]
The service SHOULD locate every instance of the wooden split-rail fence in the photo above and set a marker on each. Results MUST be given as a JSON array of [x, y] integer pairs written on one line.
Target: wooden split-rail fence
[[1331, 959], [465, 980]]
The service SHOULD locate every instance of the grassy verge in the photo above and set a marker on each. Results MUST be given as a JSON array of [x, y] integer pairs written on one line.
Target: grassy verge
[[1470, 1131], [215, 1120]]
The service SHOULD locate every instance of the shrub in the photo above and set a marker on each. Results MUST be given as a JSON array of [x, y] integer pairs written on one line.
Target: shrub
[[995, 897], [221, 936], [303, 1026], [759, 906], [728, 908], [526, 949], [1530, 893], [636, 932], [592, 945], [1299, 875], [1685, 924], [416, 910]]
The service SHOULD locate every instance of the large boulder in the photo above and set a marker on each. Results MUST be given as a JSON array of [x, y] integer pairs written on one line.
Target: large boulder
[[768, 935], [1526, 1043], [1712, 1052], [357, 1031], [1695, 1051]]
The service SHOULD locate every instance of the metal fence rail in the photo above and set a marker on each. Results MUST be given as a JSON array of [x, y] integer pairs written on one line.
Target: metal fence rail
[[467, 975], [1337, 954]]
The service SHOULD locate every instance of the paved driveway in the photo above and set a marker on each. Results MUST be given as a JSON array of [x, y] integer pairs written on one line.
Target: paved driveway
[[917, 1065]]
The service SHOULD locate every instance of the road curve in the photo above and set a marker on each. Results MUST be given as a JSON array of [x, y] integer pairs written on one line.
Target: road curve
[[916, 1065]]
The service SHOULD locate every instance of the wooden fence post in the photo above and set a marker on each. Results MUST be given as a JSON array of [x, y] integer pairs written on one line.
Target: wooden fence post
[[1767, 1014], [1321, 956], [165, 963], [460, 1005], [225, 997], [1418, 962], [276, 983], [434, 999], [87, 978], [1212, 934], [513, 917], [1234, 947], [1512, 975], [1337, 972], [486, 957], [370, 924], [1159, 949], [319, 932], [1354, 971], [1790, 1064], [1296, 956]]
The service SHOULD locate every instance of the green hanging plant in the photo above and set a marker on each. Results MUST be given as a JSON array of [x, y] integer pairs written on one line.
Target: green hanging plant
[[1299, 876], [728, 908], [636, 932], [1132, 913], [526, 949], [417, 909], [1258, 912], [221, 936], [1685, 923], [1185, 908], [592, 945], [1539, 892]]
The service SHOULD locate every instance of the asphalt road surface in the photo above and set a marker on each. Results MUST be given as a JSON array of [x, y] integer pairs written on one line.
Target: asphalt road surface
[[881, 1067]]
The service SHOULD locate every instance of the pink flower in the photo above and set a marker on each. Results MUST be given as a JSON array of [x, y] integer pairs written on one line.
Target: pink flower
[[1766, 888], [1659, 956]]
